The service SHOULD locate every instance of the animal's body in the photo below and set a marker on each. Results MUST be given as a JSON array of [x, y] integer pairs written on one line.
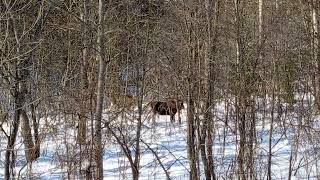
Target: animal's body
[[123, 101], [169, 107]]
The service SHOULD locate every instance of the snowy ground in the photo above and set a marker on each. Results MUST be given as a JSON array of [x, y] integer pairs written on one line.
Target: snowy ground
[[169, 142]]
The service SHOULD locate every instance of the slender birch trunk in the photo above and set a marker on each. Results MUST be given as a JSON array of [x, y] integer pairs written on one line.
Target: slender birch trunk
[[269, 176], [82, 129], [314, 4], [241, 94], [35, 124], [100, 92]]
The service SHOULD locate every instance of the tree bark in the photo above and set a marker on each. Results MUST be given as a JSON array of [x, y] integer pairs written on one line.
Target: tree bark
[[35, 37], [35, 124], [212, 30], [27, 137], [269, 177], [242, 92], [135, 170], [82, 129], [100, 93], [13, 135], [191, 140], [315, 48]]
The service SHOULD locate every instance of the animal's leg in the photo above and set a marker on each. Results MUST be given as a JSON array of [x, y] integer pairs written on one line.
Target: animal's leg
[[172, 118], [179, 117], [153, 119]]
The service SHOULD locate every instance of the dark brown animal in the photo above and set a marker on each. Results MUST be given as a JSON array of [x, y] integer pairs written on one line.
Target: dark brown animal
[[170, 107]]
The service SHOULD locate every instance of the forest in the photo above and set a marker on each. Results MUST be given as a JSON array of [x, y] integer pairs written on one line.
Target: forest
[[159, 89]]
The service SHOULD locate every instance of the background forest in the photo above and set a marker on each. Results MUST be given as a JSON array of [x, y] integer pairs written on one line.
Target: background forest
[[77, 79]]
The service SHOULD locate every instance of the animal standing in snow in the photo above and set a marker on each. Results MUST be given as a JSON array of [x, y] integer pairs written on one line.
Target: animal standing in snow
[[123, 101], [169, 107]]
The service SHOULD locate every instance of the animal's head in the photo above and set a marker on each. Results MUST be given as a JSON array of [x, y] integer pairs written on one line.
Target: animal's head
[[180, 104], [153, 104]]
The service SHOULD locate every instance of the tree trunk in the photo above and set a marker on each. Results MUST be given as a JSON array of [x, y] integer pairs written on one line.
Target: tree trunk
[[35, 124], [18, 98], [252, 140], [12, 138], [35, 37], [315, 49], [100, 93], [212, 30], [135, 170], [269, 177], [242, 92], [27, 137], [242, 143], [82, 129], [260, 25], [191, 140]]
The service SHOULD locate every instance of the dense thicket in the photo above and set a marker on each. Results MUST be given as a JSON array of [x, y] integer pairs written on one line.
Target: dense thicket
[[63, 62]]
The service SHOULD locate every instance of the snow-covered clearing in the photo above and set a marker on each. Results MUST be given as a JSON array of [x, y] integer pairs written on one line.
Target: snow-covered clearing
[[59, 148]]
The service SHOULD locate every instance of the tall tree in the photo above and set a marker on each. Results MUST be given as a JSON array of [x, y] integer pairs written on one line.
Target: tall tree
[[101, 58], [241, 98], [212, 15], [314, 6]]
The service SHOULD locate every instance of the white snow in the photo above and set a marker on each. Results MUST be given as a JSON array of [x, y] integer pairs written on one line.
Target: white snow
[[169, 142]]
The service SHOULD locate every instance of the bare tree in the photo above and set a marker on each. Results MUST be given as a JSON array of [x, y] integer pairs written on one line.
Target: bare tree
[[101, 57]]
